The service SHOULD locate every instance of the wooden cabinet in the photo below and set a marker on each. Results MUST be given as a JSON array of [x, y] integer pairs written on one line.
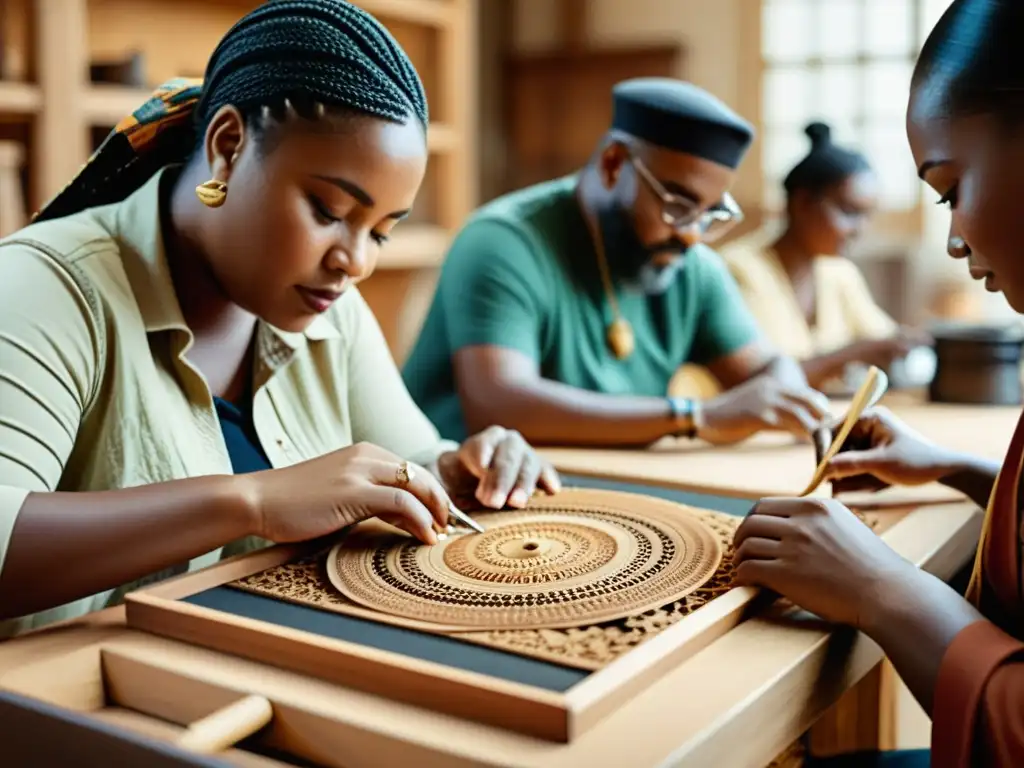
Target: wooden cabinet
[[560, 104]]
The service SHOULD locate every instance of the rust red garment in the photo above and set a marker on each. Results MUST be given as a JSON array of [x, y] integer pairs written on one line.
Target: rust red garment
[[979, 696]]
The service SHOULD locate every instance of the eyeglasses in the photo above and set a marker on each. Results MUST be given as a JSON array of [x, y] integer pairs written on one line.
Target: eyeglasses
[[680, 213]]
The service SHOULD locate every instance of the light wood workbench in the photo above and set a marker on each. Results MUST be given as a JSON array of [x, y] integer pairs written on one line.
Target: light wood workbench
[[773, 464], [777, 465], [739, 702]]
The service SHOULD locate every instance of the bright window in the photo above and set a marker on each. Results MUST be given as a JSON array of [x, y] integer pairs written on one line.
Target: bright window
[[848, 63]]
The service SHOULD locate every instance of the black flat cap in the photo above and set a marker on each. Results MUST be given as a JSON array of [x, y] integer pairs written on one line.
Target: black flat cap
[[681, 117]]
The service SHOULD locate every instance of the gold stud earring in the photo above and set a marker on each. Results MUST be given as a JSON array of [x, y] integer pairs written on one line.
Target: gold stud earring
[[212, 193]]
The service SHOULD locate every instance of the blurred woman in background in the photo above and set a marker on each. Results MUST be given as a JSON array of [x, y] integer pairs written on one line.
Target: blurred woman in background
[[811, 300]]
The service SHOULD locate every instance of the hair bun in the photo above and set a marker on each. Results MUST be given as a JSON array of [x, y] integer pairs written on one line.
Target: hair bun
[[819, 133]]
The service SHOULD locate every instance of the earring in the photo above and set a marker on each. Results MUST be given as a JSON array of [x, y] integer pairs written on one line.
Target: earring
[[212, 193]]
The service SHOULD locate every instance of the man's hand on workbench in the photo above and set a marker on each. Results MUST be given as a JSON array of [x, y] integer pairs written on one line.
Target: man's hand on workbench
[[759, 404]]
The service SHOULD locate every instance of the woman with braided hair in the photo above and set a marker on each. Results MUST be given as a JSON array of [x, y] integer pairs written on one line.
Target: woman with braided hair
[[187, 369], [808, 298]]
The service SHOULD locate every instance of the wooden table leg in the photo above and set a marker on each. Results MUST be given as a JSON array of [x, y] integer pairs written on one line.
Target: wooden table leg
[[863, 719]]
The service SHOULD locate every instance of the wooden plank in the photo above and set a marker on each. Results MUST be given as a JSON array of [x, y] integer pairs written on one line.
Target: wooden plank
[[107, 104], [325, 724], [456, 106], [603, 692], [558, 104], [20, 98], [13, 215], [443, 138], [434, 13], [573, 25], [461, 693], [147, 682], [775, 464], [61, 140], [415, 246], [16, 49], [766, 465], [862, 719]]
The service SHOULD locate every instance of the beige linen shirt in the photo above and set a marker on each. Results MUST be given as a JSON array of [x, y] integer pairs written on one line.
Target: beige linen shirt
[[96, 392], [845, 310]]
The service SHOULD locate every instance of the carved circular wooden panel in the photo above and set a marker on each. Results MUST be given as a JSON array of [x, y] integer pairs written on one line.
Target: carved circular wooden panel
[[580, 557]]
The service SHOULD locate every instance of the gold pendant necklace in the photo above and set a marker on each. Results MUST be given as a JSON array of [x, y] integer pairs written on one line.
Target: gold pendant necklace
[[619, 334]]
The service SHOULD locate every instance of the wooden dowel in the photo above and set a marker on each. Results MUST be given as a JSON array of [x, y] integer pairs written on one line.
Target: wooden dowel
[[227, 726]]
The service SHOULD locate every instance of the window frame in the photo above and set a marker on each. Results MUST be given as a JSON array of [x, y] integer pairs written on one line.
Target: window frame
[[904, 213]]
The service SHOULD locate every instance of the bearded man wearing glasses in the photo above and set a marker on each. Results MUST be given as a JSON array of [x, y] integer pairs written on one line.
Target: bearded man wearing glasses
[[563, 310]]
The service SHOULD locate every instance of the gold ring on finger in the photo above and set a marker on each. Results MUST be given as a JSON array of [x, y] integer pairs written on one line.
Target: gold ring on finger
[[404, 473]]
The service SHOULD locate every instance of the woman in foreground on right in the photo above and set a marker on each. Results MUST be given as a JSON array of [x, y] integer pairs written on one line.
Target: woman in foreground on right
[[963, 659]]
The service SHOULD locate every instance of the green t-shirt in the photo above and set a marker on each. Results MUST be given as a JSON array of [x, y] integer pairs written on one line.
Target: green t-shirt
[[522, 274]]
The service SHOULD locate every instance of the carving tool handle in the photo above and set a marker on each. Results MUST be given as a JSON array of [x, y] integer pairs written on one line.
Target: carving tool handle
[[822, 438], [870, 392], [227, 726]]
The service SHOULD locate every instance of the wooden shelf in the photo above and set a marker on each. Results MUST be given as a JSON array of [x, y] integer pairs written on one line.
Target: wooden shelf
[[434, 13], [107, 105], [442, 138], [19, 98], [415, 246]]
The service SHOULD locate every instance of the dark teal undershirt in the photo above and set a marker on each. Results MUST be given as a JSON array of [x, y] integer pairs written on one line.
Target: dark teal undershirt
[[240, 436]]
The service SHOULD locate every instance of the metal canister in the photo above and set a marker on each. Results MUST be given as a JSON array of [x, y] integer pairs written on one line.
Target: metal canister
[[977, 364]]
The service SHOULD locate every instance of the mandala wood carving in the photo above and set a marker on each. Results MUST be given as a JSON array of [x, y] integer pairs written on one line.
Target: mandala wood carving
[[579, 558], [588, 646]]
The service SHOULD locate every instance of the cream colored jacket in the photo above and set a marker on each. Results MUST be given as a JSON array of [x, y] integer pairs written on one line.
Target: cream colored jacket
[[845, 309]]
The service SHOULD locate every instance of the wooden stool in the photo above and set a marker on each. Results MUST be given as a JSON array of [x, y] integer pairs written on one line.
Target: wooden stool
[[12, 198]]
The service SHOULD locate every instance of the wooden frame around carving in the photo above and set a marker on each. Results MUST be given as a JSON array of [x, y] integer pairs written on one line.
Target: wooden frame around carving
[[514, 706]]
